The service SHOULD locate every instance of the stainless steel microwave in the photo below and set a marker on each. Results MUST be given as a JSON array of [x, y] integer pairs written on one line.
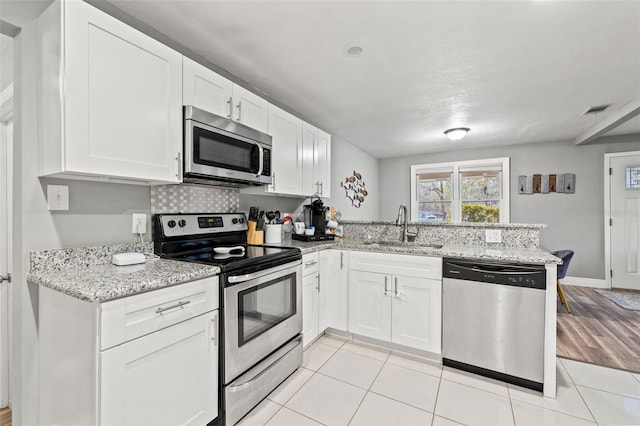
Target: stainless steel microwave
[[220, 151]]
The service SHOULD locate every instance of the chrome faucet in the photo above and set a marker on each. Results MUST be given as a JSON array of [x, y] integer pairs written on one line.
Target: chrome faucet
[[402, 220]]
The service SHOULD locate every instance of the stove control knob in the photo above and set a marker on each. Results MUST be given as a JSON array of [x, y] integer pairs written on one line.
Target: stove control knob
[[171, 223], [241, 220], [182, 223], [234, 220]]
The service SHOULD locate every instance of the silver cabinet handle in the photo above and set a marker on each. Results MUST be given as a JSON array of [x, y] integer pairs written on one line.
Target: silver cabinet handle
[[239, 110], [310, 263], [179, 160], [341, 260], [229, 102], [318, 283], [177, 305], [396, 286], [6, 278], [273, 181], [386, 291], [214, 329], [321, 187]]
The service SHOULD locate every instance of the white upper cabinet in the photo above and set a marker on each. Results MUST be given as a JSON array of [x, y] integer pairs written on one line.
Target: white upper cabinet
[[250, 109], [206, 89], [322, 163], [211, 92], [110, 98], [316, 154], [286, 132]]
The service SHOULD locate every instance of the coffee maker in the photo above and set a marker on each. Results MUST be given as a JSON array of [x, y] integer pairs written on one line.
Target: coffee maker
[[315, 215]]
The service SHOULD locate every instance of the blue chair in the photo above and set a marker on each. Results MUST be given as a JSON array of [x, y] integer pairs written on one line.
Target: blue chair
[[565, 256]]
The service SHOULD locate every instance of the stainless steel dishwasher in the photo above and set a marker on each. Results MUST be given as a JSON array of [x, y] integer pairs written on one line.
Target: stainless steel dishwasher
[[493, 320]]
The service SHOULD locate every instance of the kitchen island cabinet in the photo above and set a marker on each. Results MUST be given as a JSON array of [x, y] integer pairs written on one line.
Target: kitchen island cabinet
[[146, 359], [110, 99], [396, 298]]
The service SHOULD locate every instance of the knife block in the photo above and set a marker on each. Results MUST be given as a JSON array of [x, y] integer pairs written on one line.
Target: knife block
[[254, 236]]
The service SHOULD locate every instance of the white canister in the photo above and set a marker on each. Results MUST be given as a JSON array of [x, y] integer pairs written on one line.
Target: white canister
[[272, 234]]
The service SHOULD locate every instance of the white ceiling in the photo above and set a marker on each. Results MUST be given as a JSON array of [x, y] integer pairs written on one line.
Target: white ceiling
[[513, 71]]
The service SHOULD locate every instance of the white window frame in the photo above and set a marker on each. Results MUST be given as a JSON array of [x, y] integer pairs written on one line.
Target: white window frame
[[456, 202]]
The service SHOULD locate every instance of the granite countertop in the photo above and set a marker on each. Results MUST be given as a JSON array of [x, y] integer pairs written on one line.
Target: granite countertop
[[507, 254], [103, 282]]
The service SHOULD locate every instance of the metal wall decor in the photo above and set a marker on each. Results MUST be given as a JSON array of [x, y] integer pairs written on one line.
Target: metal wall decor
[[354, 189], [543, 184]]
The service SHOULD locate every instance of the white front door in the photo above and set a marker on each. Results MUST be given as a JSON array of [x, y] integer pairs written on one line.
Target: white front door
[[6, 143], [624, 190]]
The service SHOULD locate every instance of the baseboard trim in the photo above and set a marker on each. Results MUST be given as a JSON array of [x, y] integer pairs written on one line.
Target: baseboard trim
[[584, 282]]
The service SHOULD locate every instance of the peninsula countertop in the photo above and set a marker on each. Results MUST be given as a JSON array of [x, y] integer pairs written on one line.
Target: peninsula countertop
[[494, 253], [103, 282]]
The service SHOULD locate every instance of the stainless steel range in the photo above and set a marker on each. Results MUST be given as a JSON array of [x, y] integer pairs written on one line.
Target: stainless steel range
[[260, 299]]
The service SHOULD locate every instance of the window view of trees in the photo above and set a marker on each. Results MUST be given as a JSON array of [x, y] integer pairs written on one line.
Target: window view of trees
[[465, 191], [434, 197], [480, 196]]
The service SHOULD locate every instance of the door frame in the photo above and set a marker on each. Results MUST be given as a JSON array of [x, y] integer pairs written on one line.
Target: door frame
[[6, 151], [607, 210]]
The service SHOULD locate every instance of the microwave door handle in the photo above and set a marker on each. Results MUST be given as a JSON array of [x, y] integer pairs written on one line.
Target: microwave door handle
[[261, 159]]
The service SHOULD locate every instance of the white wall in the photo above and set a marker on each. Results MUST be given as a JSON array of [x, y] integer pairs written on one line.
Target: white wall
[[6, 66], [345, 159], [576, 221]]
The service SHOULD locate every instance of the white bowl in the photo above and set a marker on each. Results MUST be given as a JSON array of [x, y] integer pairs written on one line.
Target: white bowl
[[310, 230]]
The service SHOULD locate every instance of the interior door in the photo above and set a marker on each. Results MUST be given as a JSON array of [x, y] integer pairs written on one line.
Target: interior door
[[624, 190], [6, 142]]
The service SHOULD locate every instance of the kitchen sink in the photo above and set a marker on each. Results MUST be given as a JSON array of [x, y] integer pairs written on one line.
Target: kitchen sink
[[401, 244]]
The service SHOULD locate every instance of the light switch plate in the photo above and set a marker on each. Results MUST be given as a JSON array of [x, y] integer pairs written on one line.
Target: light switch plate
[[58, 197], [493, 235]]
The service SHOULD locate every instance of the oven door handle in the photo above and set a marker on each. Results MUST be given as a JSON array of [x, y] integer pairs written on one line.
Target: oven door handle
[[235, 279], [286, 349]]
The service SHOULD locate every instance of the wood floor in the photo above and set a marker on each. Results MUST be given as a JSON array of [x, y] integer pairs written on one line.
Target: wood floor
[[598, 331], [5, 417]]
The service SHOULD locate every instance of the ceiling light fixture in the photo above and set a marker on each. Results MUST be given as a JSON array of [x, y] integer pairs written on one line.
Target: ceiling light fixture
[[457, 133]]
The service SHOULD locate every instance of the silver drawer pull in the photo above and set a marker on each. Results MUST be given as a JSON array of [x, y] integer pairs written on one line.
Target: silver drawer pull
[[311, 263], [177, 305]]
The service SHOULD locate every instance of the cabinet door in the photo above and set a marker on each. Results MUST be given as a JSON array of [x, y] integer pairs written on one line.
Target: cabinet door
[[322, 163], [169, 377], [333, 289], [286, 131], [309, 308], [369, 305], [416, 310], [309, 183], [205, 89], [122, 99], [250, 109]]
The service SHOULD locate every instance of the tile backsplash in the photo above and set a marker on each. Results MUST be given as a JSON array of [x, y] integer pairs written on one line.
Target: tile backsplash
[[193, 199]]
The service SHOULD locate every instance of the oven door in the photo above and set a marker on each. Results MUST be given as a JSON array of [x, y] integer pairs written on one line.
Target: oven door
[[262, 311]]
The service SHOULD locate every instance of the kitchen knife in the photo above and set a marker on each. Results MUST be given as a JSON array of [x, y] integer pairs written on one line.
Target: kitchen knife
[[260, 224]]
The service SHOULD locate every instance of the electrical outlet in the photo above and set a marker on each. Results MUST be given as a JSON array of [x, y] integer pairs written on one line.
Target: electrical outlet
[[139, 223], [493, 235], [58, 197]]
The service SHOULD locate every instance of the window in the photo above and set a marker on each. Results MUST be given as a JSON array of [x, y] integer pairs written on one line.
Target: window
[[465, 191]]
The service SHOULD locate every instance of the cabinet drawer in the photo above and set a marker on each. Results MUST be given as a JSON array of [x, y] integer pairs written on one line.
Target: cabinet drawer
[[400, 264], [131, 317], [310, 263]]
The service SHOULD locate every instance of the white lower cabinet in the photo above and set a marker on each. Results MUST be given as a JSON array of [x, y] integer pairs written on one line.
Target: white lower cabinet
[[147, 359], [334, 276], [168, 377], [310, 298], [396, 298]]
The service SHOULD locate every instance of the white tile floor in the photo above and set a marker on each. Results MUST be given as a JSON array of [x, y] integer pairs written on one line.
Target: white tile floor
[[343, 383]]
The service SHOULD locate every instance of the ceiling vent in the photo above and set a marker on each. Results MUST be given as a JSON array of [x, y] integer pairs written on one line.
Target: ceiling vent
[[596, 109]]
